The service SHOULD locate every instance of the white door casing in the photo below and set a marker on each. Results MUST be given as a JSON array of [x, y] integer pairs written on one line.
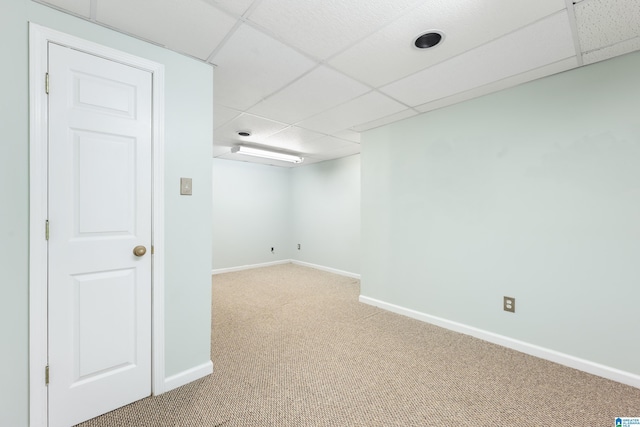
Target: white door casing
[[106, 356], [99, 310]]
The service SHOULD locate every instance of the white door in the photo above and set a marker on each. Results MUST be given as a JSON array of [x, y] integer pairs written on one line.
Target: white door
[[99, 309]]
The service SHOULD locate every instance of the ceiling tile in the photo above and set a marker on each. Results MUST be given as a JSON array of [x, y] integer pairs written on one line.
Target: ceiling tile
[[79, 7], [251, 66], [617, 49], [336, 149], [366, 108], [294, 139], [236, 7], [602, 23], [324, 28], [386, 120], [547, 70], [329, 144], [259, 127], [545, 42], [222, 115], [389, 55], [306, 142], [315, 92], [192, 27], [349, 135]]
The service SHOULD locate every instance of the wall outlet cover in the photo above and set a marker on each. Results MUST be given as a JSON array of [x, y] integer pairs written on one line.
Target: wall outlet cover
[[509, 304]]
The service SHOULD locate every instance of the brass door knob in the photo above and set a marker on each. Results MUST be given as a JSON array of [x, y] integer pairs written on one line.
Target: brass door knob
[[139, 250]]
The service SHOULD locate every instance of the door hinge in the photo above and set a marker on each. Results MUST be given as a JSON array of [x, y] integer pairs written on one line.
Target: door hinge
[[46, 229], [152, 250], [46, 375], [46, 83]]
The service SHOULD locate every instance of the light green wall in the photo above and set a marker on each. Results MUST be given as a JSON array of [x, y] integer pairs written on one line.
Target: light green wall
[[532, 192], [14, 215], [326, 213], [251, 214], [188, 129], [256, 207]]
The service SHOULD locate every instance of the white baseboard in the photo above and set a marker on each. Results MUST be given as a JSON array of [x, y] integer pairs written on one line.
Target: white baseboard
[[590, 367], [285, 261], [249, 267], [185, 377], [329, 269]]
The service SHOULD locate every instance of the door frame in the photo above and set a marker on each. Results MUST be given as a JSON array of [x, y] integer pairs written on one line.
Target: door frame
[[39, 37]]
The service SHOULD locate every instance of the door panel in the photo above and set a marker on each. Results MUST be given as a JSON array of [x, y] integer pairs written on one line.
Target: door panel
[[96, 156], [99, 210], [105, 316]]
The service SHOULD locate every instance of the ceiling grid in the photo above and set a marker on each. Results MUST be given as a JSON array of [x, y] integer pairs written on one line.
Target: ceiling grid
[[306, 77]]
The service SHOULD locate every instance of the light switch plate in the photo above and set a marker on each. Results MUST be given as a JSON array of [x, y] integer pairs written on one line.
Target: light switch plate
[[185, 186]]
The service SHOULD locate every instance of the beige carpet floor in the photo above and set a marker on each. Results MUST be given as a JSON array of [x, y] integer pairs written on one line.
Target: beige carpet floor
[[292, 346]]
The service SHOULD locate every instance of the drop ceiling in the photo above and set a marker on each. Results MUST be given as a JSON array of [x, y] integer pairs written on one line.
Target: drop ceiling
[[307, 77]]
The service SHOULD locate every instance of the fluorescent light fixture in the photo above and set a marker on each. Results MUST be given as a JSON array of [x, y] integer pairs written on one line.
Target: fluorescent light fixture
[[249, 151]]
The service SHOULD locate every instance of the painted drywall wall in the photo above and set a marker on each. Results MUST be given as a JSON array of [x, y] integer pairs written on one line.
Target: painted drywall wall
[[532, 192], [188, 130], [14, 215], [251, 214], [326, 214], [256, 207]]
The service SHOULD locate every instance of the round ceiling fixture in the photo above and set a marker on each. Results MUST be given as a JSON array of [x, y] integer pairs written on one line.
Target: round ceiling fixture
[[428, 40], [244, 133]]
